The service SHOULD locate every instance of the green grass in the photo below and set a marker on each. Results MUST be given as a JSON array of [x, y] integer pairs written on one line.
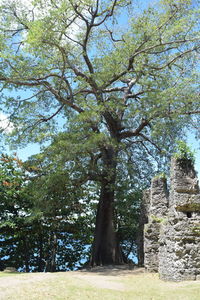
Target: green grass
[[4, 274], [82, 286]]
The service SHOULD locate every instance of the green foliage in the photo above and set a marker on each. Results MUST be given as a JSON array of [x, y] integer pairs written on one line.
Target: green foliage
[[161, 176], [41, 220], [196, 230], [156, 219], [184, 152], [46, 52]]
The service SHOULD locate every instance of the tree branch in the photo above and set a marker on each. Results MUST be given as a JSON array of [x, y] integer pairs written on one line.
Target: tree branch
[[139, 51], [174, 59], [112, 38], [150, 141], [136, 132], [52, 116], [109, 14]]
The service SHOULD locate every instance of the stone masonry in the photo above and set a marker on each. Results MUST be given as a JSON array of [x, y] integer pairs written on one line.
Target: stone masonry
[[143, 219], [157, 210], [172, 232]]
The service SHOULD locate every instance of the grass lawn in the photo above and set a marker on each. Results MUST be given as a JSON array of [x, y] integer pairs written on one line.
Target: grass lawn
[[111, 285]]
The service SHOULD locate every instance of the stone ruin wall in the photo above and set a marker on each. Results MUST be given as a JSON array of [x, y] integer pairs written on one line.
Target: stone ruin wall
[[158, 204], [172, 232], [143, 219]]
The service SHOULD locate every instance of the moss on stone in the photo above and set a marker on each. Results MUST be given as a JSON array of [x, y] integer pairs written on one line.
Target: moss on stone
[[196, 230], [161, 176], [188, 240], [189, 207], [156, 219]]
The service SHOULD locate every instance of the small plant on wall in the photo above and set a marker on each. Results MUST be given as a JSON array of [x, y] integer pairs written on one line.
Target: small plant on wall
[[184, 152], [162, 176]]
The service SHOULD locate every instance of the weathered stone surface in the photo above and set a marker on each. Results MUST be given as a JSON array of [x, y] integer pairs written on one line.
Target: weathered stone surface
[[172, 235], [159, 197], [179, 251], [145, 205], [187, 202], [144, 213], [157, 209], [183, 178], [151, 246]]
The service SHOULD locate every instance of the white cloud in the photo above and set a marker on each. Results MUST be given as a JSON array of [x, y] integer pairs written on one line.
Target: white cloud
[[5, 124]]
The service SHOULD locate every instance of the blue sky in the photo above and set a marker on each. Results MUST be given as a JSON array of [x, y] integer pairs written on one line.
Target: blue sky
[[195, 145]]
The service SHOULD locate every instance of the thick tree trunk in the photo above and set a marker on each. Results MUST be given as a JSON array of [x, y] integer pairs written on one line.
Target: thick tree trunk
[[106, 249]]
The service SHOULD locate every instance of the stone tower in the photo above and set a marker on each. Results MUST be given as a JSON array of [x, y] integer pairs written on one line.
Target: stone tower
[[172, 234], [158, 199]]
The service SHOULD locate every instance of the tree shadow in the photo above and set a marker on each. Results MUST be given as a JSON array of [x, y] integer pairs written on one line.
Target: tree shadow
[[117, 270]]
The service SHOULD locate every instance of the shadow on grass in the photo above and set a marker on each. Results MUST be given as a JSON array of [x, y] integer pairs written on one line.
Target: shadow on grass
[[119, 270], [4, 274]]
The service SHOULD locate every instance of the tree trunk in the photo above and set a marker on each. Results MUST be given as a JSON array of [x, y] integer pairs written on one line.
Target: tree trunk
[[106, 249], [41, 263], [53, 253], [51, 259], [26, 255]]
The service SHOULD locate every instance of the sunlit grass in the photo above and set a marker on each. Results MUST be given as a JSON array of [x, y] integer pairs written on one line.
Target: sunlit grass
[[3, 274], [82, 286]]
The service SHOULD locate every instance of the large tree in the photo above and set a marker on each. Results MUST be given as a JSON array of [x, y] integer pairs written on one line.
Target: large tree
[[116, 76]]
